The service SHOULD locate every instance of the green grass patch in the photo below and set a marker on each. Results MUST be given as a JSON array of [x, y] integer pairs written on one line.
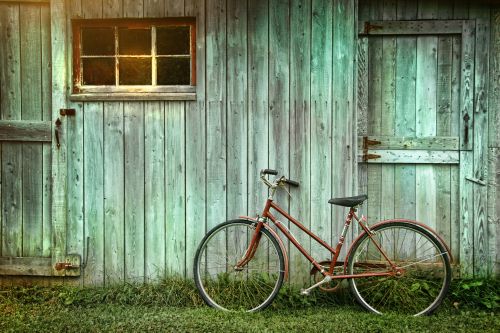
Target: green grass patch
[[173, 305]]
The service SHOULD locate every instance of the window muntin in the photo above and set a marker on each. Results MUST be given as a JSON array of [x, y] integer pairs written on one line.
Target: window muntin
[[138, 55]]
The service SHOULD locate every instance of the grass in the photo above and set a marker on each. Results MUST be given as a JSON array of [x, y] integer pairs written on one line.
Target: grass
[[174, 306]]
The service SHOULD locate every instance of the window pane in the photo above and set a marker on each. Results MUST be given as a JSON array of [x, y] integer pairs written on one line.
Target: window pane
[[135, 71], [134, 41], [98, 71], [172, 71], [172, 40], [98, 41]]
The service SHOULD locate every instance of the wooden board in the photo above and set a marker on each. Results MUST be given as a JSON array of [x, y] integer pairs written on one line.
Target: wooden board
[[411, 143], [420, 27], [27, 266], [16, 130]]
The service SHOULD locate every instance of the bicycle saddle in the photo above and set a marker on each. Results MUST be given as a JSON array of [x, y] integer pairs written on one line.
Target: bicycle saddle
[[348, 201]]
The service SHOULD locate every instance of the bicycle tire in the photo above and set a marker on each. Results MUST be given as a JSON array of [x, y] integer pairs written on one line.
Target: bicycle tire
[[252, 288], [425, 276]]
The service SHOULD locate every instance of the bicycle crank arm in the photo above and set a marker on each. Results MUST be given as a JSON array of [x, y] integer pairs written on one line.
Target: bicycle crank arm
[[307, 291]]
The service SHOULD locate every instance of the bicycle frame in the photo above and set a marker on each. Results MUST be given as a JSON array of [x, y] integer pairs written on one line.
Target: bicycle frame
[[266, 215]]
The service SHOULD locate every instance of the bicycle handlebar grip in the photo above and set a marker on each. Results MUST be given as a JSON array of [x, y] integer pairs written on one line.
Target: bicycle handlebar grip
[[269, 172], [292, 182]]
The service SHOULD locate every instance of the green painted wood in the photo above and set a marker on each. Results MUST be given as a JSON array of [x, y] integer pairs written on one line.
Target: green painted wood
[[343, 138], [494, 91], [195, 145], [175, 174], [216, 117], [426, 115], [59, 155], [300, 133], [467, 84], [114, 186], [480, 135], [16, 130], [387, 124], [27, 266], [406, 58], [279, 92], [362, 107], [443, 125], [411, 143], [420, 27], [321, 124], [11, 208], [375, 54], [237, 112], [258, 86], [154, 200], [134, 190], [75, 212], [46, 89], [93, 166], [493, 211], [31, 106], [466, 215], [414, 157]]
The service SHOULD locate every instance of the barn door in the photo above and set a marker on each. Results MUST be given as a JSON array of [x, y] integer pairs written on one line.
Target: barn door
[[415, 116], [27, 125]]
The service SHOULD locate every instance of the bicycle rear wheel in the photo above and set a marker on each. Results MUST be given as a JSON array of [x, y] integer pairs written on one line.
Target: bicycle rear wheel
[[249, 288], [422, 261]]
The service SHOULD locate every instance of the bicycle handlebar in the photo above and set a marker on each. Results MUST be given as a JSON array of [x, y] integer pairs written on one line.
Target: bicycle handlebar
[[282, 179]]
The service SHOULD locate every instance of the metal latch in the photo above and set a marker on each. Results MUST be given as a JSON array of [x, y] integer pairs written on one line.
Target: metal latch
[[71, 265], [67, 112], [366, 143]]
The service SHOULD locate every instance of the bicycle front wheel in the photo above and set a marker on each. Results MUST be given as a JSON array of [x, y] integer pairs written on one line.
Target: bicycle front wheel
[[224, 286], [421, 276]]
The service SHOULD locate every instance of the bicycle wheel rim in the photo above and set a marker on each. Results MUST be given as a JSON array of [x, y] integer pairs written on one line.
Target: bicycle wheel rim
[[425, 277], [221, 285]]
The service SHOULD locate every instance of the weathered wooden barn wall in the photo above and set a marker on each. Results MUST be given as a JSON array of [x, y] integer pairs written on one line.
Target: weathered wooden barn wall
[[422, 86], [25, 153], [274, 89]]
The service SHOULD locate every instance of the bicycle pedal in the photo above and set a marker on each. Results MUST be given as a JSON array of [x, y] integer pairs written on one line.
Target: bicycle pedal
[[305, 292]]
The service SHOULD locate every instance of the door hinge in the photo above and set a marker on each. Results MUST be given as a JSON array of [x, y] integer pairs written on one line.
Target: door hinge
[[366, 144]]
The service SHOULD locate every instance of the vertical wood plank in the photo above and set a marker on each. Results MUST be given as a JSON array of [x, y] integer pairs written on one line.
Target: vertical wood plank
[[134, 190], [342, 158], [154, 8], [321, 124], [494, 211], [237, 112], [216, 117], [406, 69], [195, 144], [174, 8], [258, 89], [32, 190], [46, 89], [480, 146], [11, 152], [59, 153], [444, 119], [494, 92], [426, 113], [300, 131], [175, 174], [387, 125], [93, 166], [114, 247], [375, 55], [112, 8], [75, 148], [154, 200]]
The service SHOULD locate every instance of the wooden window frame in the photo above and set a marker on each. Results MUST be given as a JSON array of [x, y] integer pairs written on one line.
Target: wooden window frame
[[132, 92]]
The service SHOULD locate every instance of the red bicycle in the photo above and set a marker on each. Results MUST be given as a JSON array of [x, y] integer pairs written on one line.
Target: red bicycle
[[394, 265]]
